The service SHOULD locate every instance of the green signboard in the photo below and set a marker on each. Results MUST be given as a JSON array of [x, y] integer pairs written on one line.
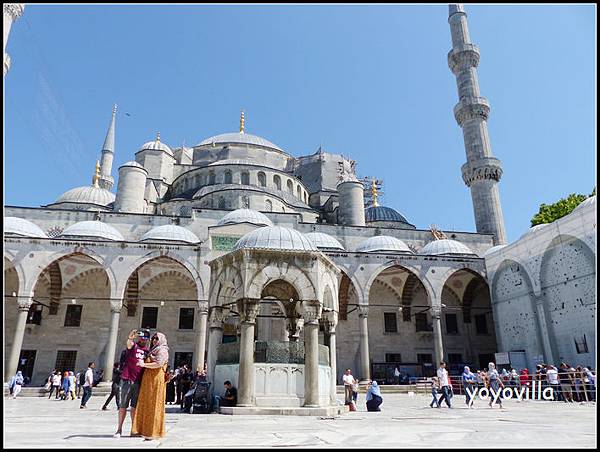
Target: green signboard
[[224, 242]]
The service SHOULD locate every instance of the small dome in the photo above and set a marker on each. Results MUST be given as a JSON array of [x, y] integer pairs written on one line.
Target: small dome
[[170, 232], [383, 243], [445, 246], [493, 249], [245, 216], [156, 145], [321, 240], [537, 227], [243, 138], [87, 195], [96, 229], [19, 226], [275, 238], [133, 164], [381, 213], [589, 201]]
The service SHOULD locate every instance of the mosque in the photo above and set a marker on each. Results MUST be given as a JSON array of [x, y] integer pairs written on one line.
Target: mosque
[[267, 268]]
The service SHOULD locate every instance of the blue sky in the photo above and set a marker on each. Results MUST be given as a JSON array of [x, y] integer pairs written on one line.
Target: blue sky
[[368, 81]]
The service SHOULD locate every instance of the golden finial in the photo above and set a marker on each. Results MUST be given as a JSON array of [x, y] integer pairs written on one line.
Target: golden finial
[[115, 109], [158, 136], [374, 193], [96, 177], [242, 122]]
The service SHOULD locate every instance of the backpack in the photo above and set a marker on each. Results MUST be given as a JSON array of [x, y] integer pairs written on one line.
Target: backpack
[[81, 378]]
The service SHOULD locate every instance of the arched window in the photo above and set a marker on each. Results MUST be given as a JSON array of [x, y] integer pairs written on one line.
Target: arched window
[[269, 205], [245, 178], [262, 179], [305, 198], [211, 177], [227, 179], [290, 186], [277, 182], [299, 192]]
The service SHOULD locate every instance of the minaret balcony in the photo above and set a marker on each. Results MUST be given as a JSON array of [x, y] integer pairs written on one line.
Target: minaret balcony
[[471, 108], [463, 56], [485, 168]]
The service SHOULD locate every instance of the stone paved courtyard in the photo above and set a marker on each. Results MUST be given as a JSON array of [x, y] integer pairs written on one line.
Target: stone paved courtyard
[[404, 422]]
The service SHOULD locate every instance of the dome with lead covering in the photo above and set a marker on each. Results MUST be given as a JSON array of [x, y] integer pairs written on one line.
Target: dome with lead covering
[[245, 216], [322, 240], [87, 195], [275, 238], [383, 243], [445, 246], [156, 145], [240, 138], [25, 228], [95, 229], [171, 233], [381, 213], [493, 249]]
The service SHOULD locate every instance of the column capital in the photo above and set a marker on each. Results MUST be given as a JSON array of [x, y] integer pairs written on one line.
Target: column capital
[[24, 303], [216, 317], [330, 321], [436, 312], [203, 307], [311, 311], [248, 309], [363, 310], [116, 306]]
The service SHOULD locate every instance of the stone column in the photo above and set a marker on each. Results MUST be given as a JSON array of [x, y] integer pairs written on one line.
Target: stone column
[[201, 337], [216, 317], [438, 345], [311, 312], [248, 309], [293, 327], [330, 324], [365, 371], [109, 361], [15, 349], [543, 326]]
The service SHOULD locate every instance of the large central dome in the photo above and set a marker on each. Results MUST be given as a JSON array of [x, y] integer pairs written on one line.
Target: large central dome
[[242, 138]]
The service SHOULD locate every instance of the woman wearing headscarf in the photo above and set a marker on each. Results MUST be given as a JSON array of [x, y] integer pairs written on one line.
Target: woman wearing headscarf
[[374, 398], [149, 420], [72, 384], [495, 384], [469, 381], [16, 383]]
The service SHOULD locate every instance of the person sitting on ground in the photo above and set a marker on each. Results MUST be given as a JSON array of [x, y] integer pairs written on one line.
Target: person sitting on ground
[[373, 398], [228, 399]]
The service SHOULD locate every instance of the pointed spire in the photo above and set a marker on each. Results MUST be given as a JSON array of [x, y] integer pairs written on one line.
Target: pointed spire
[[109, 141], [242, 122], [158, 136], [96, 177]]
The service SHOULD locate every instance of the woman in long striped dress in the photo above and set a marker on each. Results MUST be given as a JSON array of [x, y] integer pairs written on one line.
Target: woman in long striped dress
[[149, 420]]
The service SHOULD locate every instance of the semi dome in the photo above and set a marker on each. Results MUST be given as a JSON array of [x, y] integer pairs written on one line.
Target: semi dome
[[87, 195], [96, 229], [445, 246], [156, 145], [383, 243], [321, 240], [25, 228], [275, 238], [381, 213], [245, 216], [240, 138], [493, 249], [170, 232], [590, 201]]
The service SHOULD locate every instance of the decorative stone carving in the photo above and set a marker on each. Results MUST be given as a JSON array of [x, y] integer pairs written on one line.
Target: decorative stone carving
[[330, 320], [363, 311], [463, 57], [203, 307], [248, 309], [14, 9], [311, 311], [216, 316], [471, 108], [24, 303], [116, 306], [488, 168], [293, 325]]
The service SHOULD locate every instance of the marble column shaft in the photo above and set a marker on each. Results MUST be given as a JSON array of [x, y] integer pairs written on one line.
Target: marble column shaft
[[201, 338], [109, 361], [365, 371]]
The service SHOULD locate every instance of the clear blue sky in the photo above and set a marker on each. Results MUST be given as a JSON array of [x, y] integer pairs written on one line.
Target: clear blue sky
[[371, 82]]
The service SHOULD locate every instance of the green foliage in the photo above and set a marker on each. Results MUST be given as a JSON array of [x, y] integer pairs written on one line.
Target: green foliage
[[550, 212]]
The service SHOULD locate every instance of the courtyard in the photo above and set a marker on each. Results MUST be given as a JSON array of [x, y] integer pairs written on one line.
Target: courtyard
[[404, 422]]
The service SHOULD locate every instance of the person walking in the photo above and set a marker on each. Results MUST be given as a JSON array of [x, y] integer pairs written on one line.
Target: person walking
[[397, 375], [150, 417], [72, 385], [131, 375], [16, 383], [114, 388], [554, 381], [435, 385], [87, 385], [442, 375], [55, 385], [348, 381], [495, 384], [469, 381], [64, 386], [373, 398]]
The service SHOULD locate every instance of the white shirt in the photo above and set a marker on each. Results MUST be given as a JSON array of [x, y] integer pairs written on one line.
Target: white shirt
[[443, 376], [348, 379], [552, 376], [55, 380], [89, 377], [396, 372]]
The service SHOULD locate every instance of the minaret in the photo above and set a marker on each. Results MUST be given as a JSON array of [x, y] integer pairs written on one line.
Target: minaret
[[482, 171], [11, 12], [108, 150]]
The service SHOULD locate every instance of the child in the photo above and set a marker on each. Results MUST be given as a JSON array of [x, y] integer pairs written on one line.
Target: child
[[355, 393], [434, 388]]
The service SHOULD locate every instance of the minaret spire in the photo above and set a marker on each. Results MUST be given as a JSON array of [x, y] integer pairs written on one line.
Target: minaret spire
[[108, 150], [482, 171], [242, 120]]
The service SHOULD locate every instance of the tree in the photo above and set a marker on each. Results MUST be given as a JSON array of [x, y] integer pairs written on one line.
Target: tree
[[550, 212]]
